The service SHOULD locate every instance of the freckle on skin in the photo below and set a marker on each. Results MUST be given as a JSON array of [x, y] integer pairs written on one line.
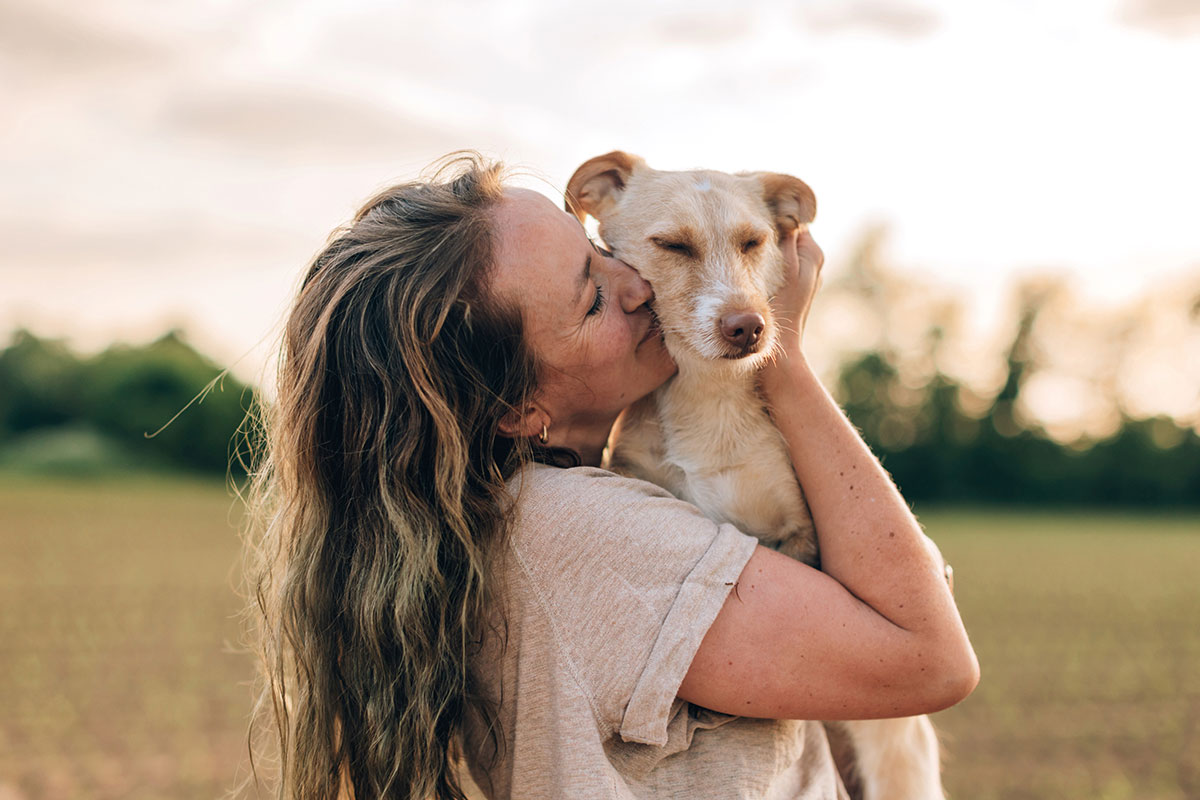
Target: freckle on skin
[[891, 534]]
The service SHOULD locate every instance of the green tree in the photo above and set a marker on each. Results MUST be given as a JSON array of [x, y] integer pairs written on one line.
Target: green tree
[[124, 395], [40, 382], [142, 394]]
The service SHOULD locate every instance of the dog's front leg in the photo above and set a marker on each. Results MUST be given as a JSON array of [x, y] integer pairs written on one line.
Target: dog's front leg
[[896, 759]]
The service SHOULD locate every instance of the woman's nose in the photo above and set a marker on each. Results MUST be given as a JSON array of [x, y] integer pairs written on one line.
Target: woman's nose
[[635, 292]]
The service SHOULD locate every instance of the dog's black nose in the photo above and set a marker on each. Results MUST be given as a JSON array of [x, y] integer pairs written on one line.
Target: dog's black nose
[[742, 329]]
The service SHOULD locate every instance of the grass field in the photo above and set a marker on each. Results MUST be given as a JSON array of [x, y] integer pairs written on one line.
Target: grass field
[[1087, 628], [119, 677]]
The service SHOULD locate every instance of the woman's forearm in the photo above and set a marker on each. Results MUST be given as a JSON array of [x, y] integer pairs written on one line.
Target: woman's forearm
[[870, 542]]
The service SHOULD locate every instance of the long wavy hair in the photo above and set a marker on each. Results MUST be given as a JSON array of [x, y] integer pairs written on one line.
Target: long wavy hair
[[381, 499]]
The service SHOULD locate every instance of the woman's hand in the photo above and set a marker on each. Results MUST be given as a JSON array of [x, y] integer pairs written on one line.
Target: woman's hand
[[803, 260]]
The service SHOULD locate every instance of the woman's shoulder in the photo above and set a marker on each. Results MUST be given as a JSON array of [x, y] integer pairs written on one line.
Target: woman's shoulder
[[594, 499], [592, 513], [537, 484]]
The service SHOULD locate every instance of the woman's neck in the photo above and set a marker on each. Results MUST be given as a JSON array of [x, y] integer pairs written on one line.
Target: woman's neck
[[586, 436]]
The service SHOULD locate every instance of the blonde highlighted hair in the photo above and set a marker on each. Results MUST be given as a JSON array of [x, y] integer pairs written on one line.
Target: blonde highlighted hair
[[380, 502]]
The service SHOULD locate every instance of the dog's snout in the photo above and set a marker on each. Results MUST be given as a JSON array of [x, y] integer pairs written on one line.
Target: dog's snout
[[742, 329]]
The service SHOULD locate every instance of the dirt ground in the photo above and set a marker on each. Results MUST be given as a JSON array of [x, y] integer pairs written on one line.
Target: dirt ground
[[121, 676]]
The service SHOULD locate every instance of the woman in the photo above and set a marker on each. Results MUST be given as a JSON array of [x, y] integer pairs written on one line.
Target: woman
[[431, 576]]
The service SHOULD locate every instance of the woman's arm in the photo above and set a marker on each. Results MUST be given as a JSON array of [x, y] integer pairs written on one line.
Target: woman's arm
[[876, 632]]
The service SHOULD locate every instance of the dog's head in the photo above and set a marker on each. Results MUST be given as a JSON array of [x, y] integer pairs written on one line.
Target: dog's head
[[707, 242]]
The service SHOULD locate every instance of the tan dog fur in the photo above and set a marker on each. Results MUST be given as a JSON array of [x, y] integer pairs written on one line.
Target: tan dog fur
[[707, 242]]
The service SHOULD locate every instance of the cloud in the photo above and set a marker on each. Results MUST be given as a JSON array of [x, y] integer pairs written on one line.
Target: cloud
[[54, 43], [294, 121], [898, 19], [41, 247], [703, 30], [1170, 17]]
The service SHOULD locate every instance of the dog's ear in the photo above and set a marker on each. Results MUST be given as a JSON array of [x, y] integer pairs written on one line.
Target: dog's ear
[[791, 201], [598, 182]]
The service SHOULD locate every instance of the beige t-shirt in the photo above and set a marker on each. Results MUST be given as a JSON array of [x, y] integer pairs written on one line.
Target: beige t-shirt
[[610, 585]]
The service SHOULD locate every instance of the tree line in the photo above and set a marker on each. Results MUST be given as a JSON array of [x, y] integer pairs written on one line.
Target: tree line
[[104, 412], [936, 450], [946, 441]]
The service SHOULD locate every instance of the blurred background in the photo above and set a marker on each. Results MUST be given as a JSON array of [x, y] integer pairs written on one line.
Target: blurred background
[[1011, 314]]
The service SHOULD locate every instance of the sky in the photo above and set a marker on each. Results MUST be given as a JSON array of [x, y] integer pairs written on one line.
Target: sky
[[177, 164]]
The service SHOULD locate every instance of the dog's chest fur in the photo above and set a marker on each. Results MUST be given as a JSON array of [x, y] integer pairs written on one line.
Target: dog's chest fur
[[708, 440]]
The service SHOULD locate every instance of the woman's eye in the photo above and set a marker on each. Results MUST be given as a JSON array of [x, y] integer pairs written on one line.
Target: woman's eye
[[598, 303]]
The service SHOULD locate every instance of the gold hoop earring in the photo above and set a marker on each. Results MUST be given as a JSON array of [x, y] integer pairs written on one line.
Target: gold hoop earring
[[544, 436]]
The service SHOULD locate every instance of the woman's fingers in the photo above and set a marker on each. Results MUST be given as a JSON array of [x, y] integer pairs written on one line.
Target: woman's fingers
[[803, 259], [791, 251], [808, 251]]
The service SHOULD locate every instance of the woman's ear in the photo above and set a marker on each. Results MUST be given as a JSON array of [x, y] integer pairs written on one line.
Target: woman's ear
[[524, 423]]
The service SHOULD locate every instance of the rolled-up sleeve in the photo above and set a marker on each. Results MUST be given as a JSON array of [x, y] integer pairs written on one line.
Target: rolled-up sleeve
[[630, 579]]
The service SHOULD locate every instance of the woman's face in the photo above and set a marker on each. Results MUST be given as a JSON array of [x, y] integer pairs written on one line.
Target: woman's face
[[585, 315]]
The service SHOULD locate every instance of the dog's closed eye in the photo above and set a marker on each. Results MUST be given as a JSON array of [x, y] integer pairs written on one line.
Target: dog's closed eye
[[671, 246], [750, 244]]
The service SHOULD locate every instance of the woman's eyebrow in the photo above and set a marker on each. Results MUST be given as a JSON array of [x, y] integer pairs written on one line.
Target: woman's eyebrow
[[583, 278]]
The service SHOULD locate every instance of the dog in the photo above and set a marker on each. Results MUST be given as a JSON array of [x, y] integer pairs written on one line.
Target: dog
[[708, 244]]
